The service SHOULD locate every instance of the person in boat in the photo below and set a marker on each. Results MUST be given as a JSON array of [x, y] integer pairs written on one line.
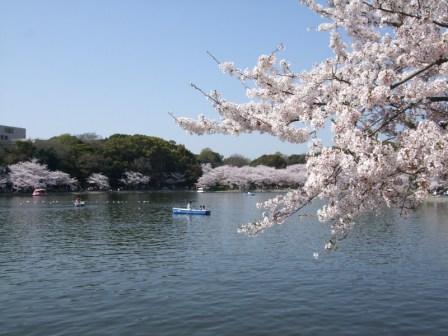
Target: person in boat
[[189, 205], [77, 200]]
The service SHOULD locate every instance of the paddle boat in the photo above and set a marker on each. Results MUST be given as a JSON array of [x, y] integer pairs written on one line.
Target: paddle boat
[[249, 193], [191, 211], [78, 203], [200, 190], [39, 192]]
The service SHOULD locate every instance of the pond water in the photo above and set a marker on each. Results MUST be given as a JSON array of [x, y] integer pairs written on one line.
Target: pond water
[[124, 265]]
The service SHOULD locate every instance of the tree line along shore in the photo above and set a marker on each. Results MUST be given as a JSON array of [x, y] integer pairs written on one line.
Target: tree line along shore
[[88, 162]]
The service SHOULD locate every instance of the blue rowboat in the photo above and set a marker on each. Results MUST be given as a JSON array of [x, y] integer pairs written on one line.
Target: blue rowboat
[[185, 211]]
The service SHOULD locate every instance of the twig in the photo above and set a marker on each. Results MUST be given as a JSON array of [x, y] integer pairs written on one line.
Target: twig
[[438, 62]]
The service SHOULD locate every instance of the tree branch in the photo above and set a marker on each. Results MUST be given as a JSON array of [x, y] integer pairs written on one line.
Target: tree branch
[[438, 62], [194, 86], [437, 99], [392, 11], [218, 103], [392, 118], [213, 57]]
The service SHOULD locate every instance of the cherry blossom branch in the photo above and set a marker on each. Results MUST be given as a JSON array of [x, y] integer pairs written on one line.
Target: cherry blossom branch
[[437, 99], [341, 80], [392, 118], [385, 95], [217, 102], [394, 11], [213, 57], [438, 62], [194, 86]]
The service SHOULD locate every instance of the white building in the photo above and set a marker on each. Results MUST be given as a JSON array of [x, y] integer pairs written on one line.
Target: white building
[[9, 133]]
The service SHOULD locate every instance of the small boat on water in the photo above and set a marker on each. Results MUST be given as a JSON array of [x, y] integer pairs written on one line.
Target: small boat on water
[[200, 190], [249, 193], [79, 204], [187, 211], [39, 192]]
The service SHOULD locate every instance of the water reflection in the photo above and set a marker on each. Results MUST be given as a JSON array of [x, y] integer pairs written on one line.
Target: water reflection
[[123, 264]]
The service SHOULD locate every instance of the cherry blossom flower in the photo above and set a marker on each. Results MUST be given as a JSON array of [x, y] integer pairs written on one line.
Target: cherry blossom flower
[[98, 181], [134, 179], [31, 174]]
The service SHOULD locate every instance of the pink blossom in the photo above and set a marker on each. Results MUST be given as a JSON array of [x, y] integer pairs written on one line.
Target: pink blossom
[[385, 93]]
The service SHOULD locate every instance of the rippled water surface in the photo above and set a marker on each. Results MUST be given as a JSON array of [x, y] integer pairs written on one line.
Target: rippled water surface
[[124, 265]]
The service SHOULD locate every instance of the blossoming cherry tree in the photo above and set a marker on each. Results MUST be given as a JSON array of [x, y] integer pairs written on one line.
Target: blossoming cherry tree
[[384, 92]]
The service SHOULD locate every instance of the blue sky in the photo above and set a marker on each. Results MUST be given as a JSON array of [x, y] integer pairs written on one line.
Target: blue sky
[[110, 66]]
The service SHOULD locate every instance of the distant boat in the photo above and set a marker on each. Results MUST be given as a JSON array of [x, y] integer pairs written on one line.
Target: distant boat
[[201, 190], [79, 203], [39, 192], [250, 193], [186, 211]]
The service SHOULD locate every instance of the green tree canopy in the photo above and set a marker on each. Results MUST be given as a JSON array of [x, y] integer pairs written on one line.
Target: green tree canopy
[[236, 160], [209, 156], [165, 162], [276, 160], [296, 159]]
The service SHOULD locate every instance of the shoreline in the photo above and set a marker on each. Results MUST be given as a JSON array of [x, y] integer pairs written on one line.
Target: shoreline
[[85, 192]]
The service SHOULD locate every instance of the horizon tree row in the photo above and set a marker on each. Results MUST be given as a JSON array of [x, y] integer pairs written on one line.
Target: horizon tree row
[[28, 175], [134, 161], [250, 178], [120, 158], [276, 160]]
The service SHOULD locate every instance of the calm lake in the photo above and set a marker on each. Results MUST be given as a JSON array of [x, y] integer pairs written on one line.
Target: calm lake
[[124, 265]]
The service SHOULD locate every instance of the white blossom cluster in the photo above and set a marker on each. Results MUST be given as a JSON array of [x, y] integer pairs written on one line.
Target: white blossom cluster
[[134, 179], [31, 174], [259, 177], [385, 93], [206, 167], [98, 181]]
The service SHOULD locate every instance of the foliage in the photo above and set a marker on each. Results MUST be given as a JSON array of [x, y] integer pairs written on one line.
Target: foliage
[[385, 94], [88, 137], [296, 159], [3, 181], [271, 160], [209, 156], [15, 152], [236, 160], [165, 162]]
